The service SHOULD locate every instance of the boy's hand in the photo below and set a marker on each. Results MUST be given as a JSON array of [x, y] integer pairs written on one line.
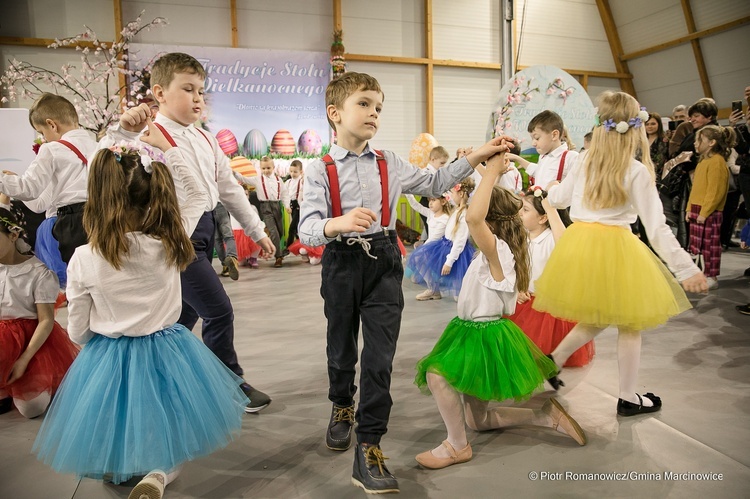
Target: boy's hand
[[4, 199], [463, 151], [134, 119], [288, 210], [267, 249], [696, 284], [495, 146], [513, 157], [358, 220], [495, 165], [154, 137], [8, 172], [551, 185]]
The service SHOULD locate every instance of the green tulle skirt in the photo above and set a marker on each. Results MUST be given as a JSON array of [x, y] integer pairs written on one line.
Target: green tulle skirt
[[488, 360]]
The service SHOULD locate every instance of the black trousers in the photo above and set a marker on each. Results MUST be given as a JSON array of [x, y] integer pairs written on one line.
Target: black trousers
[[358, 288], [425, 201], [294, 205], [68, 230]]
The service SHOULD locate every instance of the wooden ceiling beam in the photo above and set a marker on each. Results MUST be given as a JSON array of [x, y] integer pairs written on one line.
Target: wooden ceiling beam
[[699, 60], [610, 28]]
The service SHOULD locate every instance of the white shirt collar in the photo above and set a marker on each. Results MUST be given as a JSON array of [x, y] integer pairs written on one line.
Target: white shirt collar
[[541, 237], [557, 152]]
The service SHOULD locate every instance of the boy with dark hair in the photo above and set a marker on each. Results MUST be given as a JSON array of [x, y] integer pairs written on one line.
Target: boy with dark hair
[[347, 204], [59, 170], [178, 86]]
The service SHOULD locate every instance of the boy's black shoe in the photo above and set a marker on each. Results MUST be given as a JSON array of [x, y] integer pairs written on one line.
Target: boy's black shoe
[[6, 405], [625, 408], [743, 309], [554, 380], [339, 432], [370, 472], [258, 399]]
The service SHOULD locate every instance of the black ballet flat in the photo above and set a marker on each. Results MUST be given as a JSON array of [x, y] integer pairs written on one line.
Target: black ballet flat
[[554, 380], [625, 408], [6, 405]]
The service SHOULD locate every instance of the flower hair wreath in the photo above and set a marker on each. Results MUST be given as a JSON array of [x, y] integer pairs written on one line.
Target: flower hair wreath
[[146, 153], [623, 126], [12, 227]]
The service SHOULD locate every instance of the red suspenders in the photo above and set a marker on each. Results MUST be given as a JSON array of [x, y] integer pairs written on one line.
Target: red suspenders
[[278, 187], [333, 180], [174, 144], [561, 167], [75, 150]]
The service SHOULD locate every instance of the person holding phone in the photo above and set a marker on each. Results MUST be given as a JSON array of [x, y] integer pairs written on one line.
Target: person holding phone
[[743, 150]]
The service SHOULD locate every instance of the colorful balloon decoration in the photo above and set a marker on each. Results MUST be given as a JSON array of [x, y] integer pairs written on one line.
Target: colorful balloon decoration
[[419, 154], [310, 142], [255, 143], [227, 142], [283, 143]]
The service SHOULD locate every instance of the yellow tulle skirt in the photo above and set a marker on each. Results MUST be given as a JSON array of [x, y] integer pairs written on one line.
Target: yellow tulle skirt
[[604, 275]]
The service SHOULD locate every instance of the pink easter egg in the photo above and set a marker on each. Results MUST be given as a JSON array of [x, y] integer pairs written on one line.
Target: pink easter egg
[[227, 142], [283, 143], [310, 142]]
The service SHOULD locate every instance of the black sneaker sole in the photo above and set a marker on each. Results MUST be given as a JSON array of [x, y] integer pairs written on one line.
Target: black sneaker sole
[[253, 410], [359, 484], [338, 449]]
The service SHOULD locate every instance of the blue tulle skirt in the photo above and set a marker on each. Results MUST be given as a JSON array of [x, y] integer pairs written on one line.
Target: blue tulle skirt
[[47, 249], [425, 265], [130, 405]]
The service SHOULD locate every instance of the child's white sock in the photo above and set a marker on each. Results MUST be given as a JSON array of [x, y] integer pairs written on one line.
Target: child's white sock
[[629, 361]]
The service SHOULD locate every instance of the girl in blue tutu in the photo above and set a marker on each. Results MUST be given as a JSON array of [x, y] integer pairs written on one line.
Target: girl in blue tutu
[[610, 277], [144, 395], [441, 265], [481, 355]]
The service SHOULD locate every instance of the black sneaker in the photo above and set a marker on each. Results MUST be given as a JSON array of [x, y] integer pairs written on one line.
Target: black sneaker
[[370, 472], [233, 268], [743, 309], [339, 432], [258, 399]]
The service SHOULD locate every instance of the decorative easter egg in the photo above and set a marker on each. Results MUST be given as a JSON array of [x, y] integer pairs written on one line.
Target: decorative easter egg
[[419, 154], [255, 143], [310, 142], [243, 166], [283, 143], [227, 142]]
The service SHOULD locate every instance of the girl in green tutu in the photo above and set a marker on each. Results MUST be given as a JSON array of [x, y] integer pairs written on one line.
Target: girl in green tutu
[[480, 355]]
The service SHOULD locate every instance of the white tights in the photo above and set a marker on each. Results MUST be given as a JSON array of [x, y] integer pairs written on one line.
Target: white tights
[[628, 356], [34, 407]]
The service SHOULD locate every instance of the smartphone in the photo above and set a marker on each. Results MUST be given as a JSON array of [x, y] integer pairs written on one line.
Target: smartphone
[[737, 106], [672, 125]]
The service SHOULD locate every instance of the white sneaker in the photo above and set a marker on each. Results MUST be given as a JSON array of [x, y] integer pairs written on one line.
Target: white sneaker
[[713, 283], [428, 294], [314, 260], [151, 487]]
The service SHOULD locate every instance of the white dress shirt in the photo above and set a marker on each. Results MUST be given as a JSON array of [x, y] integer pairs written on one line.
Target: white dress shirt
[[145, 295], [24, 285], [482, 298], [545, 172], [211, 167], [435, 223], [540, 249], [294, 188], [268, 188], [643, 201], [56, 167]]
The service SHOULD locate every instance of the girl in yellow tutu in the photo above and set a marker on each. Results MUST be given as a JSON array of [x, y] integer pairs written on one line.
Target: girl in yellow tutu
[[480, 354], [610, 277]]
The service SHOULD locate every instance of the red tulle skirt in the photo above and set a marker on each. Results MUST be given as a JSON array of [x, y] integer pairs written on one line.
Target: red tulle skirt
[[312, 251], [547, 332], [48, 366], [246, 247]]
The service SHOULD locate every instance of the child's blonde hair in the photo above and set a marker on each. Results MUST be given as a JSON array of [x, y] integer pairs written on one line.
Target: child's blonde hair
[[611, 153], [446, 204], [123, 197], [168, 65], [505, 222], [724, 136], [466, 187], [52, 107], [439, 152]]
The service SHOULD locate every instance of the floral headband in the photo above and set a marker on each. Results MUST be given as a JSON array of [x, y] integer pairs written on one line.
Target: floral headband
[[12, 226], [623, 126], [146, 153]]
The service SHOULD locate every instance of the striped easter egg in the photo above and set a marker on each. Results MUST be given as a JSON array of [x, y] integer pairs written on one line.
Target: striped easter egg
[[310, 142], [243, 166], [255, 143], [283, 143], [227, 142]]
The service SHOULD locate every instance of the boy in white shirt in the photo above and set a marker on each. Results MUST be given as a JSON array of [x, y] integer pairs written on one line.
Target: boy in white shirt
[[271, 190], [60, 165], [555, 160], [294, 187], [177, 83]]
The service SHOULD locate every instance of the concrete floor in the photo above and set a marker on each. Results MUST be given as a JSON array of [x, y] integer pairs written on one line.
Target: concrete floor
[[699, 363]]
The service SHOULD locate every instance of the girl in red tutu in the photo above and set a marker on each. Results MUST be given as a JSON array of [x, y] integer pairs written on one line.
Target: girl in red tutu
[[545, 227], [35, 351]]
